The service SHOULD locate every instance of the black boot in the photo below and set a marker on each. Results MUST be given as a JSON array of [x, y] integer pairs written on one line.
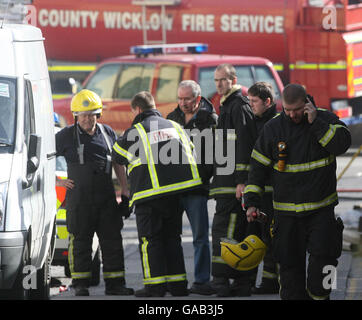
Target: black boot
[[117, 287], [267, 286], [151, 291], [80, 287], [221, 286], [241, 287]]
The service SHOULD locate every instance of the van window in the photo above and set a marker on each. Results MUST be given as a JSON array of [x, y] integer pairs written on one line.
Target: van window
[[169, 78], [133, 79], [29, 117], [8, 102], [103, 81]]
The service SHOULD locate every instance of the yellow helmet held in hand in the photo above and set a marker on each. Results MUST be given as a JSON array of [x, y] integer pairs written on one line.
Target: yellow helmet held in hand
[[245, 255], [86, 101]]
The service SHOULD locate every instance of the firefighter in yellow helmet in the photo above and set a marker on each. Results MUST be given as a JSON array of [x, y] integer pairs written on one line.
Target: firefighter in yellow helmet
[[90, 200]]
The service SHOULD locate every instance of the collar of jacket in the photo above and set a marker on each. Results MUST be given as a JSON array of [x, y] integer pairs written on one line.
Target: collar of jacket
[[234, 88], [204, 105], [145, 114], [269, 113]]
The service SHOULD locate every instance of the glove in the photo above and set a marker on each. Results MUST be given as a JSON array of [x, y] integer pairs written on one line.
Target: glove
[[124, 207]]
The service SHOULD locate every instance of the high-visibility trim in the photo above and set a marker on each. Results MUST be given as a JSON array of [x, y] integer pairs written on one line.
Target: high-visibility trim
[[302, 207], [65, 68], [123, 152], [253, 188], [148, 151], [308, 166], [357, 81], [261, 158], [328, 136], [57, 96], [269, 275], [176, 277], [278, 67], [164, 279], [155, 280], [314, 297], [268, 189], [231, 226], [165, 189], [318, 66], [186, 144], [242, 167], [218, 259], [145, 263], [133, 165], [71, 253], [113, 274], [81, 275], [218, 191], [357, 63], [231, 136]]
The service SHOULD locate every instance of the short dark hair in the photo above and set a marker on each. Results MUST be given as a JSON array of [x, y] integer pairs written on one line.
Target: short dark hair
[[263, 90], [293, 93], [144, 100], [229, 69]]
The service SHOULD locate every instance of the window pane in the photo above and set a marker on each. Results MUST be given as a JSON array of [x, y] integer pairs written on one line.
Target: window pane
[[134, 78], [245, 77], [264, 74], [103, 81], [169, 78], [8, 111]]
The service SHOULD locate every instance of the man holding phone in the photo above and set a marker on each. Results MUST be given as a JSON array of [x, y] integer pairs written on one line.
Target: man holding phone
[[307, 141]]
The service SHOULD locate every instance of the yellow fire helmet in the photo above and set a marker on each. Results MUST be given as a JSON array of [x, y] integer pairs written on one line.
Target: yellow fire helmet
[[86, 101], [245, 255]]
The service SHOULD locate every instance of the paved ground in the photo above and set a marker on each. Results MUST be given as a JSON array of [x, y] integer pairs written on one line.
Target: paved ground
[[349, 271]]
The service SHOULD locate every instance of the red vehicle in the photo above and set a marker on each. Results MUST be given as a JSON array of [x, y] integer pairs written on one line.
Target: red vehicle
[[317, 43], [118, 79]]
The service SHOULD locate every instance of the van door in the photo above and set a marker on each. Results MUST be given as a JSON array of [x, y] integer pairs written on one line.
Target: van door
[[32, 185]]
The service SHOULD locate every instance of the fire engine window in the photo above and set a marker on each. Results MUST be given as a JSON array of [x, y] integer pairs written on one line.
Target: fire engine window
[[169, 78], [133, 79], [244, 75], [263, 73], [103, 81]]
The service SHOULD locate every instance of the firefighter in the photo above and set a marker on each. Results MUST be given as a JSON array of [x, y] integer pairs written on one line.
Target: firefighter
[[90, 199], [236, 131], [161, 166], [300, 147], [261, 97], [196, 112]]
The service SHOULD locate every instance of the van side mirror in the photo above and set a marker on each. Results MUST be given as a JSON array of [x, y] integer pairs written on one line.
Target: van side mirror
[[33, 153]]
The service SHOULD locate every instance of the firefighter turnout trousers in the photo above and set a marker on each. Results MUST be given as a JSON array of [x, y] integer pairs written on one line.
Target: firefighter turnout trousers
[[319, 234], [92, 207], [159, 225], [229, 222]]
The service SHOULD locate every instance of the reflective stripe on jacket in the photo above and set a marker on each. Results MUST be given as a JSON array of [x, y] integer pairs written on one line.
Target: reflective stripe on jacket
[[159, 157], [308, 181]]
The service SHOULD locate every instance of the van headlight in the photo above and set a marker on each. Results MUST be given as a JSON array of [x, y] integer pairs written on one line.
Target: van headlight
[[3, 196]]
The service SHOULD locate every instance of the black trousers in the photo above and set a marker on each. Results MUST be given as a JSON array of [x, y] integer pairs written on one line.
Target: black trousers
[[319, 234], [159, 225], [229, 222], [106, 221]]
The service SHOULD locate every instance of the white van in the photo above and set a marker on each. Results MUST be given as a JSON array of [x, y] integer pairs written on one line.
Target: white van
[[27, 165]]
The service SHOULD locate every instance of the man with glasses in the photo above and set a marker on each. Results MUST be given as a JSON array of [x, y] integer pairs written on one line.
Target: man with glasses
[[197, 115]]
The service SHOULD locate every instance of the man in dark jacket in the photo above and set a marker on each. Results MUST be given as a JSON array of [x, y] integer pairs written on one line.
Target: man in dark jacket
[[236, 131], [261, 97], [197, 115], [155, 186], [300, 147]]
